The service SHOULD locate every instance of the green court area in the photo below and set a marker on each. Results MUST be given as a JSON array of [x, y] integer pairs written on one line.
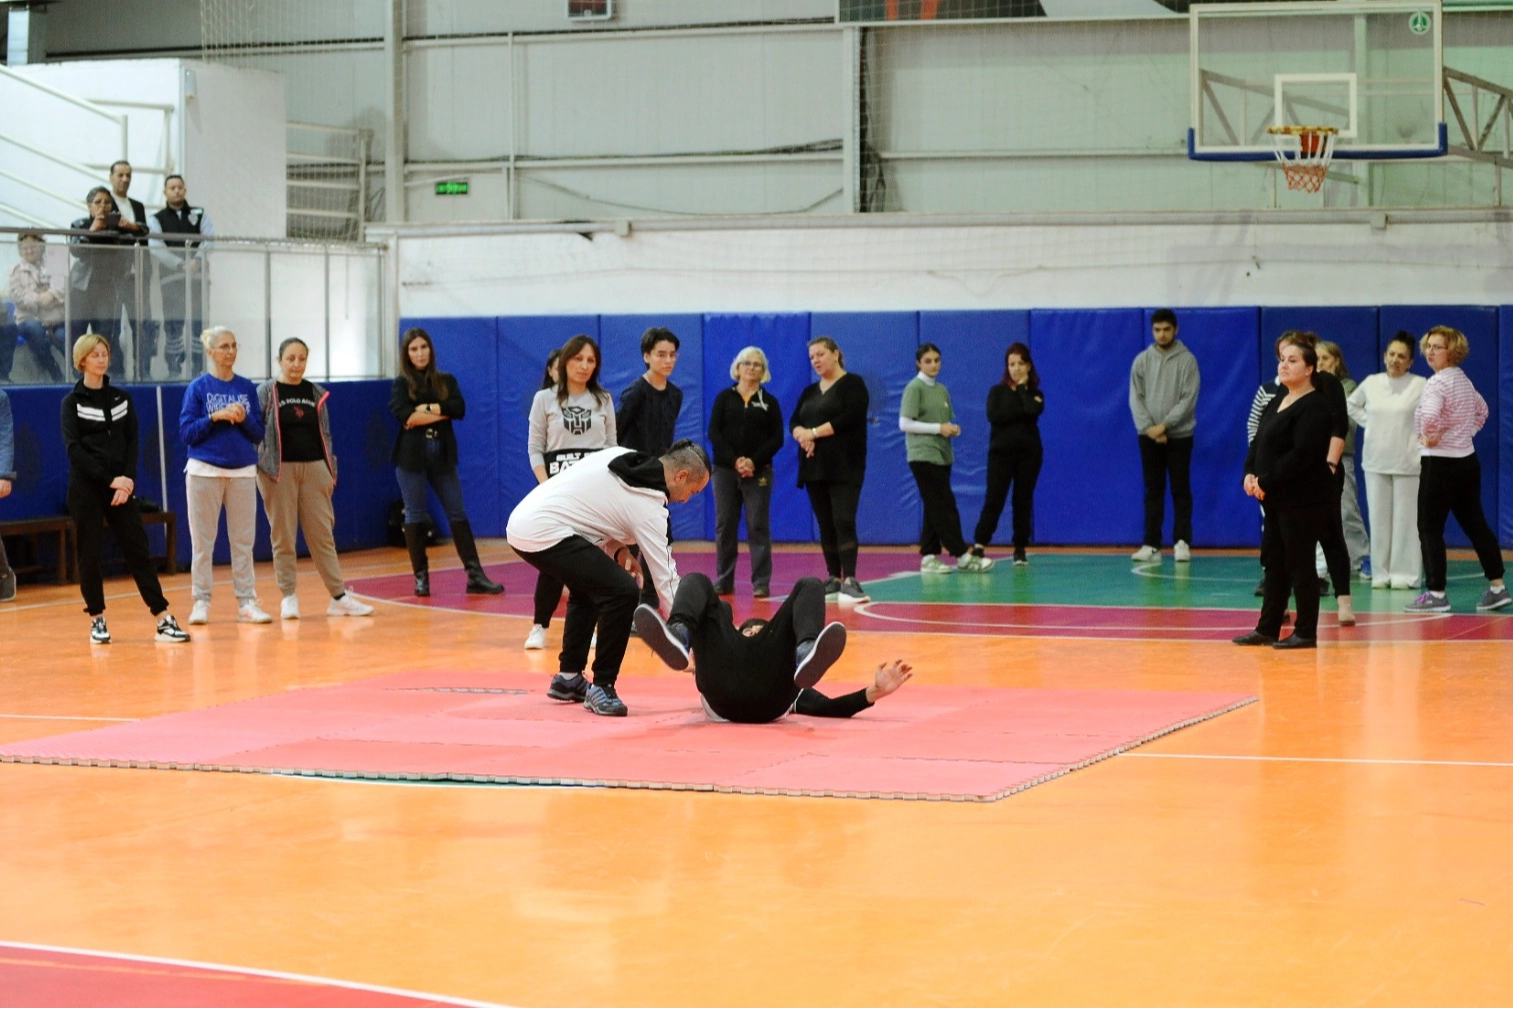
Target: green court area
[[1207, 582]]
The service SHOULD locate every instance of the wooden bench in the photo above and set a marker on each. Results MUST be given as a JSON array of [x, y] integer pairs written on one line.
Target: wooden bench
[[170, 523], [52, 525]]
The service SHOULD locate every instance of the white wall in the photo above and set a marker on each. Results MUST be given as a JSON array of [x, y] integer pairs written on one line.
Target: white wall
[[883, 268]]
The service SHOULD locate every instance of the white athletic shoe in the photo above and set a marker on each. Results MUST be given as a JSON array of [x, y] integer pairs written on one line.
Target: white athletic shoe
[[930, 564], [974, 563], [289, 608], [200, 612], [251, 613], [1146, 553], [348, 605], [1182, 553], [536, 640]]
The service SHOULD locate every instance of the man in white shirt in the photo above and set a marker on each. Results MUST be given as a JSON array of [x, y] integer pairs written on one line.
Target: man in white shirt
[[578, 527]]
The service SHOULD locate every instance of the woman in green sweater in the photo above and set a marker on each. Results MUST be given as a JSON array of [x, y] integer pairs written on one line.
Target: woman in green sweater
[[928, 424]]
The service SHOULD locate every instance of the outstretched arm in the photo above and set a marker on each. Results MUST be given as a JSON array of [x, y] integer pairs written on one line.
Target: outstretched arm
[[887, 679]]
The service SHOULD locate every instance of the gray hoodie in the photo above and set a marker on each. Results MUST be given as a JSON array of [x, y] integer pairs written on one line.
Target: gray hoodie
[[1163, 389]]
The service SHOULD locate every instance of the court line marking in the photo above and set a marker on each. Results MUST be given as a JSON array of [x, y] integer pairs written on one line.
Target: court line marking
[[1154, 569], [866, 610], [1321, 760], [278, 975], [69, 718]]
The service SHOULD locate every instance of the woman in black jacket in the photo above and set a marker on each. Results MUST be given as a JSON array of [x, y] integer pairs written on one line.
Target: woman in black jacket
[[830, 426], [100, 435], [745, 431], [1287, 470], [99, 274], [1014, 451], [426, 402]]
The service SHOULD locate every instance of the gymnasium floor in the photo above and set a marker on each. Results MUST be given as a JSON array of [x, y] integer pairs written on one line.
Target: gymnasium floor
[[1345, 840]]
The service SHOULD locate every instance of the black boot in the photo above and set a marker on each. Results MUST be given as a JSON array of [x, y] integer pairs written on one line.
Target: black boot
[[415, 539], [479, 583]]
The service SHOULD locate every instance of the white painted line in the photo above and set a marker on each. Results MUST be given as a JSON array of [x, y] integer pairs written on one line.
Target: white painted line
[[276, 974], [1322, 760]]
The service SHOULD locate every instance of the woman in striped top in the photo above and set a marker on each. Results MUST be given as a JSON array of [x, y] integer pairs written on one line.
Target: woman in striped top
[[1450, 412]]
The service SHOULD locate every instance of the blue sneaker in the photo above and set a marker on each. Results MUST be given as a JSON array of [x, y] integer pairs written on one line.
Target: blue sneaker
[[604, 701], [567, 687], [1365, 569]]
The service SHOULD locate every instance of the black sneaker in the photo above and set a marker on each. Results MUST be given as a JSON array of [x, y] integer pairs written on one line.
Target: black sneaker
[[604, 701], [852, 592], [567, 687], [832, 590], [99, 634], [669, 642], [170, 631], [814, 657], [7, 585]]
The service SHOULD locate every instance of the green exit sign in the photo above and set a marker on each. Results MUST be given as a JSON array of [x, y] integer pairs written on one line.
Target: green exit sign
[[451, 188]]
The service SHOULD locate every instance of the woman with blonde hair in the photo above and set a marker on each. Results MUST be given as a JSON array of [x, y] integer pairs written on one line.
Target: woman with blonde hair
[[1449, 414], [745, 432], [296, 474], [100, 435]]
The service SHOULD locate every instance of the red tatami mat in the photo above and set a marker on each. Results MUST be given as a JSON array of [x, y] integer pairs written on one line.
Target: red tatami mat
[[925, 742]]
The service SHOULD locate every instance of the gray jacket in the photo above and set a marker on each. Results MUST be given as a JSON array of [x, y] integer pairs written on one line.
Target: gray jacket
[[270, 450], [1163, 389]]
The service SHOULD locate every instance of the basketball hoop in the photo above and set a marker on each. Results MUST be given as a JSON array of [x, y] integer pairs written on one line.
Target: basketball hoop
[[1306, 162]]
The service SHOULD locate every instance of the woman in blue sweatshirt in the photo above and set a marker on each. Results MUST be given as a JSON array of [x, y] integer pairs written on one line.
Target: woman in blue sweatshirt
[[223, 427]]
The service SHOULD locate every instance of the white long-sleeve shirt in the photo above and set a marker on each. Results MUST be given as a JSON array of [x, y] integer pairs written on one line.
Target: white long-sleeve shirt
[[588, 500], [1450, 412], [1384, 406]]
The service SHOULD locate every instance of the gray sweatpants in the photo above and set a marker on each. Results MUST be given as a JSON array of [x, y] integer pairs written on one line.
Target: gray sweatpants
[[208, 495]]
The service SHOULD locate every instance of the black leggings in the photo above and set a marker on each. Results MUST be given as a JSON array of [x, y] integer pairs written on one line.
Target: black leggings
[[548, 595], [835, 507], [1448, 486], [1287, 553], [1332, 537], [90, 508], [942, 522], [1021, 470]]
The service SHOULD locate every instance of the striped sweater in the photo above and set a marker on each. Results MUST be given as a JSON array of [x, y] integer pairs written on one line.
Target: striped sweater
[[1450, 412]]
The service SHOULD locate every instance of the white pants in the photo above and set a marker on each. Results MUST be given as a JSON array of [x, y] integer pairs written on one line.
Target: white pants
[[207, 496], [1392, 506]]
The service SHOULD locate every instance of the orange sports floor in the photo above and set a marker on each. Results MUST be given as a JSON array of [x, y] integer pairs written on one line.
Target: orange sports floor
[[1345, 840]]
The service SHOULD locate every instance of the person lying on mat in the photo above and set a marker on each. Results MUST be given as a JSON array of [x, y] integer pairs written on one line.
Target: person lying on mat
[[764, 669]]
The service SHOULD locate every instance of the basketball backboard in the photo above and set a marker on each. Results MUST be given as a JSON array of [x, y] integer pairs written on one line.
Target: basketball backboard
[[1371, 69]]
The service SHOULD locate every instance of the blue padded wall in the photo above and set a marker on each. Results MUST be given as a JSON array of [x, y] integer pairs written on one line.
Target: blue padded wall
[[1089, 490], [784, 339], [466, 349], [1480, 324], [1224, 341], [524, 343], [621, 336], [879, 346], [973, 346]]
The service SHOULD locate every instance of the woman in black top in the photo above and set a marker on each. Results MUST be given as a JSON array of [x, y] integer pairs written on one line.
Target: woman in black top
[[102, 264], [1288, 472], [100, 435], [1014, 451], [427, 401], [745, 431], [830, 426]]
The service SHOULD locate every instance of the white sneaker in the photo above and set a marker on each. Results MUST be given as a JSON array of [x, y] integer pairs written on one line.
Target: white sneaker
[[972, 562], [200, 613], [1182, 553], [251, 613], [348, 605], [289, 608], [536, 640], [930, 564], [1146, 553]]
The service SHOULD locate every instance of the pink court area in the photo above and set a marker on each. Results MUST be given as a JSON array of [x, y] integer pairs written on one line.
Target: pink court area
[[45, 976], [930, 742]]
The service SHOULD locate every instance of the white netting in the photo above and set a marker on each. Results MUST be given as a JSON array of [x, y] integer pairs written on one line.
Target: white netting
[[327, 156], [1304, 152]]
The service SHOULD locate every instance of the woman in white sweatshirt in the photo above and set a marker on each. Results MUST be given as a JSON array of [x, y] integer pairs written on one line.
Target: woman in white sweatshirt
[[1383, 404]]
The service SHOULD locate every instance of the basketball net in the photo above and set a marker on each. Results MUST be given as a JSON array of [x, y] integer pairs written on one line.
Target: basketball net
[[1306, 161]]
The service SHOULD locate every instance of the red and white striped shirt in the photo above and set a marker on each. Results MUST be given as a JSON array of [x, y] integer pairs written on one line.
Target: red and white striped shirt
[[1449, 414]]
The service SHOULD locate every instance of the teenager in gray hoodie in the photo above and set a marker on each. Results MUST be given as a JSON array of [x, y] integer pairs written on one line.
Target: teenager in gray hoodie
[[1163, 398]]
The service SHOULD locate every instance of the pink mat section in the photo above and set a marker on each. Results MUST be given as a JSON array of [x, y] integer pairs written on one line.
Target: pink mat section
[[925, 742]]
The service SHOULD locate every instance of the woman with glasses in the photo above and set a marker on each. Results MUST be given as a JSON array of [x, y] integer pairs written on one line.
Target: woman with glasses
[[746, 432], [223, 427]]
